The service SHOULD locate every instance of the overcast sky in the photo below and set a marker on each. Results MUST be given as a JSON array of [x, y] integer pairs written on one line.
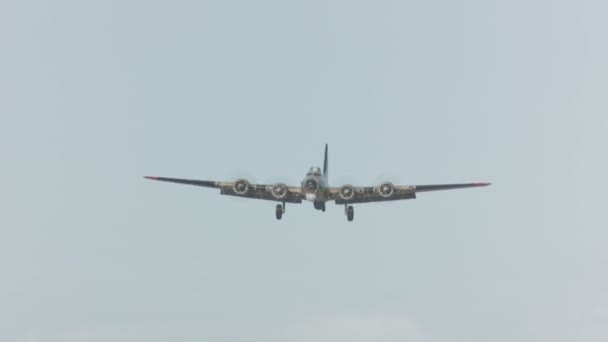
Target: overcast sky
[[94, 95]]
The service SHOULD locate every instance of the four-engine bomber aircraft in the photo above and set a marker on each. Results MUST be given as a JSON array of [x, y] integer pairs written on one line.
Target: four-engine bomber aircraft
[[315, 188]]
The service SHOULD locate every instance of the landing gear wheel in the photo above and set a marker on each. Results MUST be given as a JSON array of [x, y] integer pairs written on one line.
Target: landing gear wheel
[[350, 213], [280, 211]]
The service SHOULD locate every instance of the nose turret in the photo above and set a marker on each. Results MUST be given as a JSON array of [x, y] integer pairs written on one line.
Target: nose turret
[[311, 185]]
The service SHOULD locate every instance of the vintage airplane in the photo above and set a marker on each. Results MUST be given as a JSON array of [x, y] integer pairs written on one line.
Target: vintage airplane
[[315, 188]]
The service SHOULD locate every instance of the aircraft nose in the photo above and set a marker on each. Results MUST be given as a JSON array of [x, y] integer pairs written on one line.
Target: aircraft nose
[[311, 185]]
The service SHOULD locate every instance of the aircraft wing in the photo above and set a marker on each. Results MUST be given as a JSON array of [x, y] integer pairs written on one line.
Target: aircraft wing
[[388, 192], [242, 188]]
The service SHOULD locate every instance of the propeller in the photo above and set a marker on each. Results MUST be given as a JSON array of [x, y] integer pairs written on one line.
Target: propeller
[[279, 190], [347, 192], [241, 186], [386, 189]]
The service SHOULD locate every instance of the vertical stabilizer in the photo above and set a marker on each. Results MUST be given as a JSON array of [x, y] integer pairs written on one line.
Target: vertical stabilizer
[[325, 166]]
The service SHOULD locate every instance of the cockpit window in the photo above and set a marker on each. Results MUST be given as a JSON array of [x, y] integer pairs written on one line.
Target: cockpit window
[[314, 171]]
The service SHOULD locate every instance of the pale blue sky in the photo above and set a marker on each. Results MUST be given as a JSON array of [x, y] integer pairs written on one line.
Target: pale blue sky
[[94, 95]]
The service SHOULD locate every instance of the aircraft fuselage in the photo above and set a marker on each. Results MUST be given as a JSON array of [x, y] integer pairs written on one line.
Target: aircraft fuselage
[[315, 188]]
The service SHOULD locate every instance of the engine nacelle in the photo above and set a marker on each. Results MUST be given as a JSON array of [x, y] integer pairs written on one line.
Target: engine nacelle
[[386, 189], [241, 186], [279, 191], [347, 192]]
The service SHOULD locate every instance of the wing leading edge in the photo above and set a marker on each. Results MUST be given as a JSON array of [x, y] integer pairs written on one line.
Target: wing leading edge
[[208, 184], [437, 187], [388, 192], [242, 188]]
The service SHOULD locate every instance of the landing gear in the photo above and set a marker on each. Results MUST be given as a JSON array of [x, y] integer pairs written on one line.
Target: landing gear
[[280, 211], [350, 212]]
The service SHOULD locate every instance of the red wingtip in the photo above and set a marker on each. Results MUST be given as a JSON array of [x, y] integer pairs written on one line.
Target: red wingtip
[[150, 177], [482, 184]]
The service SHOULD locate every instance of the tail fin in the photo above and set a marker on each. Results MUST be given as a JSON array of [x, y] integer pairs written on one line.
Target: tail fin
[[325, 165]]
